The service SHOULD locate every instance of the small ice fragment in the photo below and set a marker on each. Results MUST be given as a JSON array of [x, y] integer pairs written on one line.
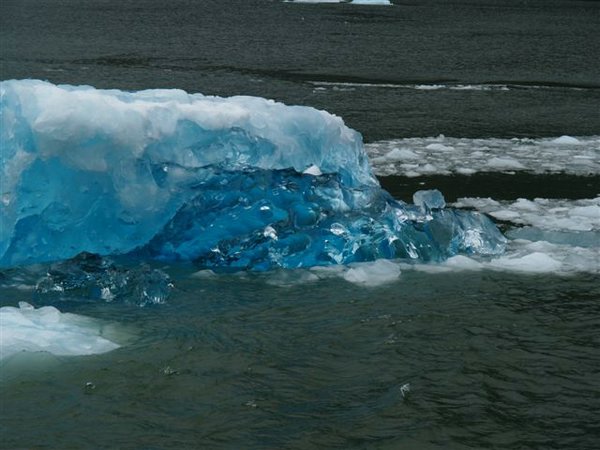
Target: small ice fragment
[[462, 262], [313, 170], [405, 389], [505, 163], [168, 371], [269, 232], [399, 154], [535, 262], [24, 306], [429, 199], [373, 273], [566, 140], [439, 148], [338, 229]]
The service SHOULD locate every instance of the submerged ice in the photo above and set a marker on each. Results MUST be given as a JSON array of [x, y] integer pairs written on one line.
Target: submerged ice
[[242, 182]]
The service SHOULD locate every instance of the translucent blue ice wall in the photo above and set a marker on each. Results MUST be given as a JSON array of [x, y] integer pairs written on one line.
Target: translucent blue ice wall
[[239, 182]]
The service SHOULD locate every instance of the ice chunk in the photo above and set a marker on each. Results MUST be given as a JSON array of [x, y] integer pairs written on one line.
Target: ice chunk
[[536, 262], [373, 273], [505, 163], [167, 175], [46, 329], [313, 170], [566, 140], [439, 147], [427, 200]]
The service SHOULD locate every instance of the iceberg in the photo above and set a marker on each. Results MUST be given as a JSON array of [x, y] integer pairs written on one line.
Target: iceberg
[[228, 183]]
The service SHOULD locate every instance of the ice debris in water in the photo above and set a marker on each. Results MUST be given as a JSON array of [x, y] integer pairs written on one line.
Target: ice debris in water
[[90, 276], [414, 157], [239, 183], [47, 329], [429, 200]]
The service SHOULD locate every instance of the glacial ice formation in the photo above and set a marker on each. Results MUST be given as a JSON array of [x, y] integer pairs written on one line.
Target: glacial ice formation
[[241, 183]]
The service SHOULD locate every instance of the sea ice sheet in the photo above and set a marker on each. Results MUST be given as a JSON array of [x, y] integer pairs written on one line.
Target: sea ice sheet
[[241, 183]]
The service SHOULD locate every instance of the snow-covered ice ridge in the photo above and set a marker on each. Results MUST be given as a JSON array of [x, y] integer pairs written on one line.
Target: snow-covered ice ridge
[[239, 183], [413, 157]]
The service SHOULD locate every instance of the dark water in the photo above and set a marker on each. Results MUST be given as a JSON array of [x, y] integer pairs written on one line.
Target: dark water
[[492, 360], [548, 49]]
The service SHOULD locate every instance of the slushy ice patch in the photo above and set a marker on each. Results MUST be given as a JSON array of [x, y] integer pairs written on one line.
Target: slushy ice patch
[[241, 182]]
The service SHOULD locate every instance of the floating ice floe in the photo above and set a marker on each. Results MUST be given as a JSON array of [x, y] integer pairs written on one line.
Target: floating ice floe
[[568, 222], [533, 257], [413, 157], [46, 329], [236, 183], [543, 213]]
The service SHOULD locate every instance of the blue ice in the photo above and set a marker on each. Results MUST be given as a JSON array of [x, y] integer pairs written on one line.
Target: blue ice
[[240, 183]]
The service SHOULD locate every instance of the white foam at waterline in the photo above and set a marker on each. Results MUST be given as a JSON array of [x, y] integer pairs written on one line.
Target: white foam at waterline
[[545, 214], [443, 155], [46, 329]]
